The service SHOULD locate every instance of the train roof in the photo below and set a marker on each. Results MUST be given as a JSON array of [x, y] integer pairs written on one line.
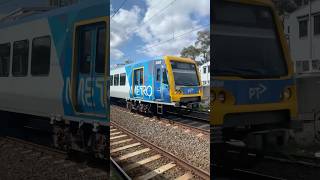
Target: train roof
[[147, 60], [54, 12]]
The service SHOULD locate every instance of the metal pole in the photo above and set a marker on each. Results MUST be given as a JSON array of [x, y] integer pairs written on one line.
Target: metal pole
[[310, 37]]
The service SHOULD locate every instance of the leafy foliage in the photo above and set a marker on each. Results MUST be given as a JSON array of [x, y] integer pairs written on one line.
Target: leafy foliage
[[200, 50]]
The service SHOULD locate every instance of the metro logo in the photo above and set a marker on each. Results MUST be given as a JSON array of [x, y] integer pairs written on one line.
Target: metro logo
[[85, 91], [143, 91]]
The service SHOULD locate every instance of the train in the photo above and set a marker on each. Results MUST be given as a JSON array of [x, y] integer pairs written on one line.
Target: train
[[253, 89], [156, 85], [55, 66]]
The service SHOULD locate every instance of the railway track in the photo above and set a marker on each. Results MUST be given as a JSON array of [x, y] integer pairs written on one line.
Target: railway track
[[196, 115], [52, 160], [141, 159], [185, 121], [190, 121], [119, 173], [242, 174], [273, 165]]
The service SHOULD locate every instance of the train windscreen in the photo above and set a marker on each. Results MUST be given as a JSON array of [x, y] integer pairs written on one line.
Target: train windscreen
[[245, 42], [185, 74]]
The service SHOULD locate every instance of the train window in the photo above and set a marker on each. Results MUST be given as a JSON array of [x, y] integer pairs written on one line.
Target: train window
[[122, 79], [20, 58], [85, 52], [158, 74], [316, 24], [111, 80], [303, 28], [165, 78], [40, 62], [138, 76], [116, 80], [4, 59], [101, 51], [204, 70]]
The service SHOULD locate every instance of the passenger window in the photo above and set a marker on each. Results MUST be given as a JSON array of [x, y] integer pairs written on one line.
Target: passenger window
[[40, 62], [158, 74], [4, 59], [20, 58], [85, 52], [165, 78], [101, 51], [111, 80], [122, 79], [116, 80]]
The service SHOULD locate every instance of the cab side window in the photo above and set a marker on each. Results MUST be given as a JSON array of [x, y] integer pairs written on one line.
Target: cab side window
[[165, 78]]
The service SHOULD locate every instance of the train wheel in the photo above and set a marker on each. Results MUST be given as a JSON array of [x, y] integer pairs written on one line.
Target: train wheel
[[129, 106], [100, 145], [61, 138]]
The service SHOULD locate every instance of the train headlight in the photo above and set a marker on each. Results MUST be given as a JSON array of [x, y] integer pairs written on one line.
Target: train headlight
[[222, 97], [286, 93], [178, 91]]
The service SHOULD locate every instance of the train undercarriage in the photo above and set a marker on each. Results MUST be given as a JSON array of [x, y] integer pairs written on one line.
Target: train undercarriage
[[81, 137], [259, 137], [154, 109], [64, 135]]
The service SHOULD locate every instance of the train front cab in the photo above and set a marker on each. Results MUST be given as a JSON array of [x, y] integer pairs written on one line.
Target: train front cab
[[184, 82], [253, 93], [164, 83]]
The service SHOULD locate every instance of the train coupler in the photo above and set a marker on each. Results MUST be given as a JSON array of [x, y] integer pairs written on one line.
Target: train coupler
[[267, 139]]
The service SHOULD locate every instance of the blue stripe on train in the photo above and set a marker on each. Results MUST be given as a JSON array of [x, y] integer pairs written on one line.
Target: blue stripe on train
[[254, 91]]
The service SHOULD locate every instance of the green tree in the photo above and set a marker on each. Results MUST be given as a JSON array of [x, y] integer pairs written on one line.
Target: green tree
[[203, 44], [201, 48], [190, 52]]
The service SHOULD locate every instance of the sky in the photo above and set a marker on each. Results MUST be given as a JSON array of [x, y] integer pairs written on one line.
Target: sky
[[146, 29]]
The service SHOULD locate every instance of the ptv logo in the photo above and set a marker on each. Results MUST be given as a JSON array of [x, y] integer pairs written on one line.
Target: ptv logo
[[190, 91], [256, 92]]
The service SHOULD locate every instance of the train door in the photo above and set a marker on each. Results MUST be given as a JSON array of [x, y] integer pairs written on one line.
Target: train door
[[165, 85], [138, 83], [158, 81], [98, 74], [91, 63], [161, 83]]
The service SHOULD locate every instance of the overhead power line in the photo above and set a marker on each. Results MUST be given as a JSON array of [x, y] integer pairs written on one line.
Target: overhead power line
[[176, 37], [119, 8]]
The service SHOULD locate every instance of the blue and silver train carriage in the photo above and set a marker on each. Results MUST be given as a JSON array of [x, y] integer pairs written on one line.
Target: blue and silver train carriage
[[153, 85], [54, 65], [253, 92]]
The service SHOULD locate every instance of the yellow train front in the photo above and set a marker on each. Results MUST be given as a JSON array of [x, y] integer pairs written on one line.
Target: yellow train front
[[253, 92]]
